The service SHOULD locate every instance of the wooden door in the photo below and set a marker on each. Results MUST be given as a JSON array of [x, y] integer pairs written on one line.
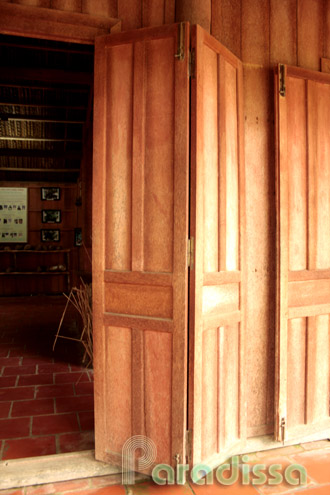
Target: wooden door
[[217, 412], [140, 232], [303, 217]]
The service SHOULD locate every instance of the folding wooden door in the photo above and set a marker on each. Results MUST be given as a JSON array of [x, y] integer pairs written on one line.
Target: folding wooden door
[[142, 248], [303, 212]]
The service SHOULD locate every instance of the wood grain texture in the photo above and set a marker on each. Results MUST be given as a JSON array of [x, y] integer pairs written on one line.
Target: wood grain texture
[[141, 229], [260, 241], [130, 13], [70, 5], [303, 271], [217, 216], [310, 33], [327, 29], [195, 12], [283, 32], [33, 3], [226, 24], [72, 27], [104, 8], [156, 13], [255, 32]]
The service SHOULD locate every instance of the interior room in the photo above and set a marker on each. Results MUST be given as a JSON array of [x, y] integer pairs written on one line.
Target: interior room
[[210, 206], [46, 95]]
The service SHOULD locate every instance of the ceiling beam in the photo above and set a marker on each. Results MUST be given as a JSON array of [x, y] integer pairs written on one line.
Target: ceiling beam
[[48, 75]]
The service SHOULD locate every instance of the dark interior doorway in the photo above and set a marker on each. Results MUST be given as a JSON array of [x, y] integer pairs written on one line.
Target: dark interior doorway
[[46, 396]]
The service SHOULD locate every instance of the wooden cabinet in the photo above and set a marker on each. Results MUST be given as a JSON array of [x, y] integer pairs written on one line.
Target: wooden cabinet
[[25, 272]]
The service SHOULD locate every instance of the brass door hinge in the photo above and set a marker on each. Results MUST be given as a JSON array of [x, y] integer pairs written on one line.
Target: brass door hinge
[[180, 54], [190, 252], [188, 446], [283, 427], [192, 64], [281, 74]]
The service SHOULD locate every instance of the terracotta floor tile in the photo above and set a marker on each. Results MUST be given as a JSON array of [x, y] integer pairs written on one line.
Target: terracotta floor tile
[[16, 393], [29, 447], [320, 490], [14, 491], [14, 428], [62, 390], [149, 488], [317, 465], [4, 409], [108, 490], [40, 360], [220, 489], [51, 488], [84, 388], [19, 370], [86, 420], [53, 368], [7, 381], [10, 361], [55, 423], [75, 442], [32, 407], [84, 403], [74, 377], [44, 379]]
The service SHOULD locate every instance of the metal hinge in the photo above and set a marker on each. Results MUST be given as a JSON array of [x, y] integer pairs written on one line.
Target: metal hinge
[[181, 38], [192, 63], [190, 252], [281, 72], [188, 445], [283, 426]]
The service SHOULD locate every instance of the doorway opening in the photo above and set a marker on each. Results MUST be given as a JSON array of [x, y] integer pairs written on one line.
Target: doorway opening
[[46, 395]]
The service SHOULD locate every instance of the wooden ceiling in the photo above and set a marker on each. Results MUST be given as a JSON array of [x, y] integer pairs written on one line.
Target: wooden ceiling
[[45, 105]]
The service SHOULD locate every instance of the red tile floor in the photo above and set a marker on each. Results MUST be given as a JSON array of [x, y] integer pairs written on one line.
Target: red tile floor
[[46, 397], [315, 457]]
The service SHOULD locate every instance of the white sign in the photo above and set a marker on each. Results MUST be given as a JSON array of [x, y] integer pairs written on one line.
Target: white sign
[[13, 214]]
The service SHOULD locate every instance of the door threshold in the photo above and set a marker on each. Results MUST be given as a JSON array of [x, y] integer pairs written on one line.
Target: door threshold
[[17, 473]]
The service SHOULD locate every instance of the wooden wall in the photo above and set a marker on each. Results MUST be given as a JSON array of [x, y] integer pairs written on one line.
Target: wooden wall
[[261, 33]]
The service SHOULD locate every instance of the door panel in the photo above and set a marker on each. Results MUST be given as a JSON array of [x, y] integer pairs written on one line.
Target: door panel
[[303, 213], [140, 240], [217, 413]]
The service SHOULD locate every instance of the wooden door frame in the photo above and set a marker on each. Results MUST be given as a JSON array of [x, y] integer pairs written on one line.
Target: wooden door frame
[[54, 25]]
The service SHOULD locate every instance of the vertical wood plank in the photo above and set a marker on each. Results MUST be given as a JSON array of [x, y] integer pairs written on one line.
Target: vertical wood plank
[[283, 32], [99, 194], [158, 353], [211, 165], [105, 8], [33, 3], [255, 32], [297, 174], [139, 116], [222, 143], [195, 12], [130, 12], [138, 383], [282, 198], [119, 157], [296, 371], [69, 5], [159, 173], [210, 393], [310, 33], [226, 24], [327, 29], [169, 12], [154, 12]]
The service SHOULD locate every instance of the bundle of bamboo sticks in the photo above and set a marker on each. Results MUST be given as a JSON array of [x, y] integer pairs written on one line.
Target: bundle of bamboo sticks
[[81, 298]]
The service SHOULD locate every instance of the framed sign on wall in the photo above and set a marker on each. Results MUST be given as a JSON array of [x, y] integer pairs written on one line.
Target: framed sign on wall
[[13, 214]]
